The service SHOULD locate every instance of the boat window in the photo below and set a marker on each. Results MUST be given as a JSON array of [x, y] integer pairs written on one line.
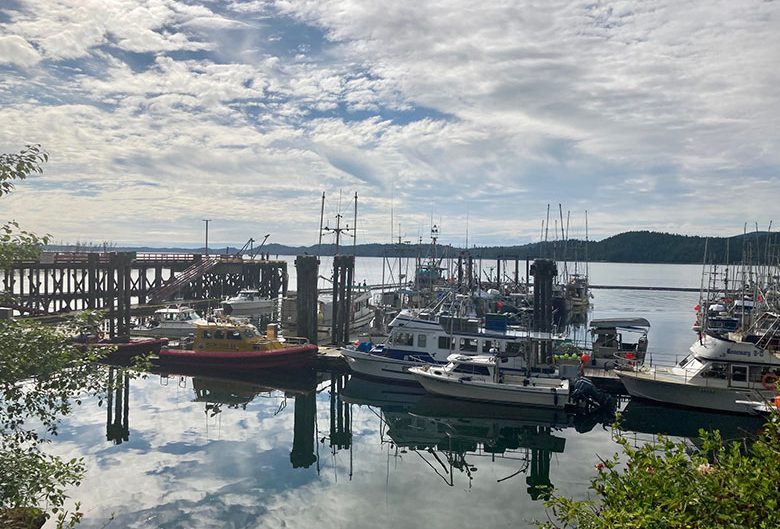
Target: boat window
[[445, 342], [219, 335], [514, 348], [404, 338], [685, 360], [421, 340], [716, 371], [739, 373], [469, 344], [487, 345], [471, 369], [234, 335], [206, 334]]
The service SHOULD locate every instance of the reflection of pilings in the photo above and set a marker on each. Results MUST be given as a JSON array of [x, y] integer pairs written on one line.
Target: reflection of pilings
[[118, 408], [307, 267], [343, 272], [340, 425], [302, 454], [538, 480]]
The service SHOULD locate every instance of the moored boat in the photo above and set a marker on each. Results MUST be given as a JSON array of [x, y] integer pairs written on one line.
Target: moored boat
[[232, 345], [720, 373], [425, 338], [480, 378], [173, 321], [248, 302]]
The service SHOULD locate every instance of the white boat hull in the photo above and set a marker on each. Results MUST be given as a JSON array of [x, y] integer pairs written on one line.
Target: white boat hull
[[668, 389], [377, 366], [244, 308], [164, 331], [530, 395]]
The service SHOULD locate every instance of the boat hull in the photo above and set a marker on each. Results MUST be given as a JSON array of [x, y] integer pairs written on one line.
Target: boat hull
[[288, 357], [377, 366], [163, 331], [530, 395], [667, 390]]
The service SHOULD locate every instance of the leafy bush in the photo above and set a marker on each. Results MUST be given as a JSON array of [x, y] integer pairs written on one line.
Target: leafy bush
[[661, 485]]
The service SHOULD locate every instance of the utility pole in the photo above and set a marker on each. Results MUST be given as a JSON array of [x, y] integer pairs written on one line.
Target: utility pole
[[207, 235]]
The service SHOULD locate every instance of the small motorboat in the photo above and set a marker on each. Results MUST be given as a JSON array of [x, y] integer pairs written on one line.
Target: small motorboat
[[229, 344], [479, 378]]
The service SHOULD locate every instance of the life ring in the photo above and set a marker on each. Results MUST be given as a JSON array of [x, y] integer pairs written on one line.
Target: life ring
[[769, 381]]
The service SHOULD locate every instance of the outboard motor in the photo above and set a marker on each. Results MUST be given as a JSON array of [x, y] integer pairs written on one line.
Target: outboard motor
[[586, 392]]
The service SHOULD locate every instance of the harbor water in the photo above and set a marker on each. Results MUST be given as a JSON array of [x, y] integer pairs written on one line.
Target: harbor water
[[320, 450]]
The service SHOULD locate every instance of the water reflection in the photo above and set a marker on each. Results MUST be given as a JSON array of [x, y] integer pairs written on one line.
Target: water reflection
[[645, 417], [272, 465], [453, 435]]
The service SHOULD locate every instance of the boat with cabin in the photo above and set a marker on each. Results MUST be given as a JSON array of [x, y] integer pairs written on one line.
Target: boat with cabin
[[228, 344], [173, 321], [248, 302], [618, 342], [480, 378], [724, 373], [418, 338]]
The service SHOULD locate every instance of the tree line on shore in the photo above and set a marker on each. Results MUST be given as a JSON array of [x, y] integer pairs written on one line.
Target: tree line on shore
[[627, 247]]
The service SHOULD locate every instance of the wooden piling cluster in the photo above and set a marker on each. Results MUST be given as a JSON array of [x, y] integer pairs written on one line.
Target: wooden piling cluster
[[307, 268], [343, 276]]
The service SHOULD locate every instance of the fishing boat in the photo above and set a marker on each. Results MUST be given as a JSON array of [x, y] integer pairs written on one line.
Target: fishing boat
[[227, 344], [248, 302], [418, 338], [173, 321], [724, 373], [480, 378]]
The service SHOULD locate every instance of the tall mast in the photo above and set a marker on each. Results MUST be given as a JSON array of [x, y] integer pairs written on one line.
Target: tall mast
[[322, 218]]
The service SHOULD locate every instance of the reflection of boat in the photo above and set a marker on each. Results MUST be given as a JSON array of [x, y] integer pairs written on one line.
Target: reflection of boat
[[387, 395], [248, 302], [719, 373], [441, 407], [232, 345], [647, 417], [291, 381], [480, 378], [174, 321]]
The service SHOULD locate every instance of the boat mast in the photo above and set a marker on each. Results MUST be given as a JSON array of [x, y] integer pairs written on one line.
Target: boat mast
[[322, 217]]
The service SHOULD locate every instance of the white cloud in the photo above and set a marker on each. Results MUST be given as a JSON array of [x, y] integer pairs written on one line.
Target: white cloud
[[449, 107], [16, 50]]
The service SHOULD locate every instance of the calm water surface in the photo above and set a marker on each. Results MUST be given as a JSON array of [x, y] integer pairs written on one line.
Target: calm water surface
[[315, 451]]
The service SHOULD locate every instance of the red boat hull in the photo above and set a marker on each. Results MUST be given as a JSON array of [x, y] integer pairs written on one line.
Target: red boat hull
[[296, 356]]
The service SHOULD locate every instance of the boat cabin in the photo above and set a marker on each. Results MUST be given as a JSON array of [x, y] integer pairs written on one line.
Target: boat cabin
[[226, 335]]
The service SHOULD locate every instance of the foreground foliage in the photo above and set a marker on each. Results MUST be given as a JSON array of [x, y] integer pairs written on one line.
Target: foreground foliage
[[42, 375], [662, 485]]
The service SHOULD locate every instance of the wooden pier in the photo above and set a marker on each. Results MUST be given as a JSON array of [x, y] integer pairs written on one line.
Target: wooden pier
[[63, 282]]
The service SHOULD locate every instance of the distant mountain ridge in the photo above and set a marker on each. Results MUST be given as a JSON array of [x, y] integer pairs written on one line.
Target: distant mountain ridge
[[627, 247]]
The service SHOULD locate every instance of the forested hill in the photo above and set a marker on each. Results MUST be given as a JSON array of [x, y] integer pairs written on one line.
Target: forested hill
[[628, 247]]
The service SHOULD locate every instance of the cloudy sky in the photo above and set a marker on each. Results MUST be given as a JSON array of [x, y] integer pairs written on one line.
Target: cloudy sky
[[660, 115]]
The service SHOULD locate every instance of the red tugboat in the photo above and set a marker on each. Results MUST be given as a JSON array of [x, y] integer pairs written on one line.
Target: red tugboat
[[230, 345]]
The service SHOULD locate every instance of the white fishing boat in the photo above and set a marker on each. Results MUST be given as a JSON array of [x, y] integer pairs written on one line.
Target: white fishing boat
[[173, 321], [724, 373], [248, 302], [423, 338], [480, 378]]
